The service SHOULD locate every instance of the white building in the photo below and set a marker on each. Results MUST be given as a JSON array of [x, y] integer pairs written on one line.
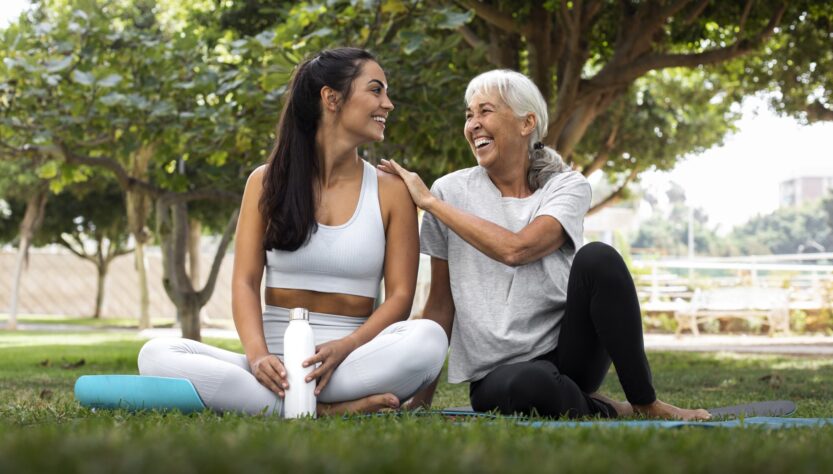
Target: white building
[[797, 191]]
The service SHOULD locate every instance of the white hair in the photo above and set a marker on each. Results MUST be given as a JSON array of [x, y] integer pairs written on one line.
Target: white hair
[[523, 97]]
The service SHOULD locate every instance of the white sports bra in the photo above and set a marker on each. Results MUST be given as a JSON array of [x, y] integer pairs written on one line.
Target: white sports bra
[[346, 259]]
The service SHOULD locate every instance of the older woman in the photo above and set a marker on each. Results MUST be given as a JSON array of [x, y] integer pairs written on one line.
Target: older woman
[[534, 318]]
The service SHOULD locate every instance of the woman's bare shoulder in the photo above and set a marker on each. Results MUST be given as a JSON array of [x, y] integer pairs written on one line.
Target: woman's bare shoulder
[[254, 183], [393, 194], [258, 173]]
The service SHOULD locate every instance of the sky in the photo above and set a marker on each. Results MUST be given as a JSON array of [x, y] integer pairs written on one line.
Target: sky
[[10, 9], [741, 178], [732, 182]]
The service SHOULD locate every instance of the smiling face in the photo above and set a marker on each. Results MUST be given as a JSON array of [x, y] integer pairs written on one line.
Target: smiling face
[[366, 110], [496, 136]]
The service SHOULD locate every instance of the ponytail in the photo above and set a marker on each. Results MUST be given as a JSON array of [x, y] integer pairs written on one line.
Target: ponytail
[[544, 162]]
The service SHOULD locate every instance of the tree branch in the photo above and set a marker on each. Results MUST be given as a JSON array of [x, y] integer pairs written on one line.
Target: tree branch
[[127, 182], [618, 76], [743, 17], [615, 196], [818, 112], [604, 153], [69, 245], [695, 13], [591, 9], [172, 198], [471, 38], [492, 15], [208, 289]]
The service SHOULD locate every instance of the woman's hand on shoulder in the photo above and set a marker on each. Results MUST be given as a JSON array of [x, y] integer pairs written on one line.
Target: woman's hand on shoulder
[[419, 192]]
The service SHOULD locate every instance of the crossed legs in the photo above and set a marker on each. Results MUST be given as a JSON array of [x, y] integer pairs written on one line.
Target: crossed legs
[[395, 364]]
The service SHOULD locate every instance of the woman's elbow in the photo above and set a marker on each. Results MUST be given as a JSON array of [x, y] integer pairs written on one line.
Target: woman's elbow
[[245, 285], [401, 302], [516, 255]]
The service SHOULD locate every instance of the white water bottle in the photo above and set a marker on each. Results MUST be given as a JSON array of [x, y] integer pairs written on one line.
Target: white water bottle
[[298, 346]]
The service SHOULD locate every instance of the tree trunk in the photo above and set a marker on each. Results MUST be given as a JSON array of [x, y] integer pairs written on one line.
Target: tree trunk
[[99, 291], [138, 208], [144, 293], [32, 219], [194, 235], [188, 313], [22, 249]]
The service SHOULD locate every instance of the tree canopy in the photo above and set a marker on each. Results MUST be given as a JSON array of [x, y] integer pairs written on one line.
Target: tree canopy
[[178, 101], [631, 85]]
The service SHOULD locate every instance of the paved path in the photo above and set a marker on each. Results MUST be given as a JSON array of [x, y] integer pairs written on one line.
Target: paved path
[[792, 345]]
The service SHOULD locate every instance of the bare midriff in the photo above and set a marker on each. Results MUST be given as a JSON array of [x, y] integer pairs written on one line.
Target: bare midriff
[[317, 302]]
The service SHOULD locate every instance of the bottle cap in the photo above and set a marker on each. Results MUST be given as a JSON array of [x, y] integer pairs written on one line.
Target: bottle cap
[[298, 314]]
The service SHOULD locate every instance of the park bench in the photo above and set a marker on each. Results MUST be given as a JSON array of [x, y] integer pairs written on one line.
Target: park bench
[[751, 304]]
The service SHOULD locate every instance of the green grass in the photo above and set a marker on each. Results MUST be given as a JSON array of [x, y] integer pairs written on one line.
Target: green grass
[[43, 429], [118, 323]]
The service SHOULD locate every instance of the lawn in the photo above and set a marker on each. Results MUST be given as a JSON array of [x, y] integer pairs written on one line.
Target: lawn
[[82, 322], [42, 429]]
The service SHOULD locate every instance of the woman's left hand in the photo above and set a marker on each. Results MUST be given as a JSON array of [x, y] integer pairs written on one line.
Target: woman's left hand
[[419, 191], [330, 355]]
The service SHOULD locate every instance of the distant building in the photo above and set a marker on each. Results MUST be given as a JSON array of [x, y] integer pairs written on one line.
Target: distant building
[[797, 191], [602, 224]]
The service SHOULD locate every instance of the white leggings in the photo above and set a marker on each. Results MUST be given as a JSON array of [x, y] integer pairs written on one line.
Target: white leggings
[[401, 359]]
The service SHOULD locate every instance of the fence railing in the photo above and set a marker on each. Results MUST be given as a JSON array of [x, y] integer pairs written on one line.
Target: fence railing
[[663, 284]]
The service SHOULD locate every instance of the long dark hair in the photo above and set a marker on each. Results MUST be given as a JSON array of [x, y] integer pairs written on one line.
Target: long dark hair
[[288, 200]]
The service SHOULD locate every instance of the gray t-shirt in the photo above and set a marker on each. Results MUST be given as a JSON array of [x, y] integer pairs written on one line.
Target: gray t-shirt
[[504, 314]]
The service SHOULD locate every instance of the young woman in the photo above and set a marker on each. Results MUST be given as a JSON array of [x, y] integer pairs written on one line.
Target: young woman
[[536, 317], [327, 227]]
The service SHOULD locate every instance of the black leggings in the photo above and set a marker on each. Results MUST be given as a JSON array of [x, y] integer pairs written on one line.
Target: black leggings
[[602, 322]]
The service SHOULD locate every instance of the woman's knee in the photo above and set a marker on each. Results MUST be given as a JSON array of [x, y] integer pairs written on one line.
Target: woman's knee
[[601, 261], [425, 347], [513, 388], [596, 253], [155, 352]]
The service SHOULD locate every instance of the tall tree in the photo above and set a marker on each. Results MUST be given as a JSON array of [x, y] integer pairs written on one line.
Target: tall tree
[[20, 182], [89, 222], [629, 84], [160, 118]]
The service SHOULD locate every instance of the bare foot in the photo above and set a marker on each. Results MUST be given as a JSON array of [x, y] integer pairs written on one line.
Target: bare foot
[[622, 408], [369, 404], [660, 409]]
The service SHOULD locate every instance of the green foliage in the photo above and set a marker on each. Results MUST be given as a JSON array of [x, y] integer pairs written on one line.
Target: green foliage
[[797, 65], [786, 230], [427, 67], [106, 78], [93, 212], [667, 233], [666, 115]]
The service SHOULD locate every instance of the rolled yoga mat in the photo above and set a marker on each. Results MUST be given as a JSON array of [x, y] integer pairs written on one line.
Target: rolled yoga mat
[[137, 392]]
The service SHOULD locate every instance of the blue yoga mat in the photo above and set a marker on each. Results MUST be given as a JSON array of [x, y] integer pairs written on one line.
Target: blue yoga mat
[[770, 408], [770, 422], [137, 392]]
